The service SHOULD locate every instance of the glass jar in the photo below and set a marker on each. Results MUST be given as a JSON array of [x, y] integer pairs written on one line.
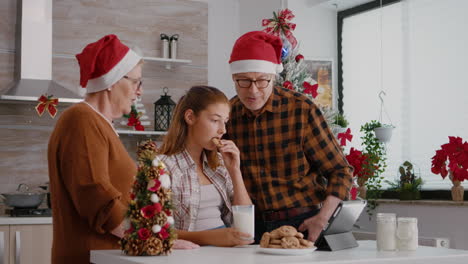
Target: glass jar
[[386, 229], [407, 234]]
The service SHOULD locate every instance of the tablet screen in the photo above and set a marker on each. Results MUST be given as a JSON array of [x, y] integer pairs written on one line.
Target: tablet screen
[[344, 217]]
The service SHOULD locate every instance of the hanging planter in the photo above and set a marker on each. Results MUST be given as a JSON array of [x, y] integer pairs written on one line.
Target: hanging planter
[[384, 133]]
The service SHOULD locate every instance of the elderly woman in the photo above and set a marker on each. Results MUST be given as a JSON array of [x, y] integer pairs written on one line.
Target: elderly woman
[[90, 171]]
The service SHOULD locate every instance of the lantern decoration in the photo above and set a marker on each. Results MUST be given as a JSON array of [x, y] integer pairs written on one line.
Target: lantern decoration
[[163, 109]]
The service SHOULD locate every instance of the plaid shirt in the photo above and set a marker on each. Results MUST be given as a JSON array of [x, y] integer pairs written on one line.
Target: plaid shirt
[[289, 157], [186, 188]]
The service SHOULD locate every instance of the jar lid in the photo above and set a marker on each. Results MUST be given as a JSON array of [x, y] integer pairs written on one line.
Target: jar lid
[[390, 217], [408, 219]]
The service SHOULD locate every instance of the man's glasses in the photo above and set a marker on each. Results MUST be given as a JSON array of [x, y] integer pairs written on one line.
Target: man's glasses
[[140, 82], [246, 83]]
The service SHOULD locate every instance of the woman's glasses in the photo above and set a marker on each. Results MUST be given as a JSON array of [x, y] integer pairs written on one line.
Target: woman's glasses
[[135, 81]]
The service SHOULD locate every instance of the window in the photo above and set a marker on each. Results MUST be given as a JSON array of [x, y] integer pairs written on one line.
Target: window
[[415, 51]]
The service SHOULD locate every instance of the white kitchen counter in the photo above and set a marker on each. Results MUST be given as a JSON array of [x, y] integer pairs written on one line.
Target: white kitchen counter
[[8, 220], [365, 253]]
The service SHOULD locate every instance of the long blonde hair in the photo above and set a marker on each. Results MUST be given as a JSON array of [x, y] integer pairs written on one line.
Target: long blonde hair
[[198, 98]]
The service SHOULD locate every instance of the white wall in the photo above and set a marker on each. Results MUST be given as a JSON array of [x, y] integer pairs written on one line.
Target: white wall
[[433, 220]]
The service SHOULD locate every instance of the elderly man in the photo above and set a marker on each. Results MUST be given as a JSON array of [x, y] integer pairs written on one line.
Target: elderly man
[[293, 167]]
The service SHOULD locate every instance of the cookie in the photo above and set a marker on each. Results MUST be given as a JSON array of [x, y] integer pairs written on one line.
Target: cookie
[[217, 142], [306, 243], [275, 234], [265, 241], [290, 242], [275, 241], [287, 231], [299, 235]]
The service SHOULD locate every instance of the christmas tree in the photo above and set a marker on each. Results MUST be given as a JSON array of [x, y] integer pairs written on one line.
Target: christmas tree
[[137, 116], [149, 221], [295, 75]]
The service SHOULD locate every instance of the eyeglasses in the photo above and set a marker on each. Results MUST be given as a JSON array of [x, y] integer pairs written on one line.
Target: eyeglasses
[[246, 83], [140, 82]]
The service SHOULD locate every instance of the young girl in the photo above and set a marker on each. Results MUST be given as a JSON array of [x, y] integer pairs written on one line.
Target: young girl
[[205, 170]]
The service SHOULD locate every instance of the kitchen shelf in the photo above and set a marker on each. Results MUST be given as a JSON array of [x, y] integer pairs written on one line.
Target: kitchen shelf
[[166, 62], [144, 133]]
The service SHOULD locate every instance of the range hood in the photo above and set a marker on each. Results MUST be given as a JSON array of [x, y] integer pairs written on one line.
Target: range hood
[[33, 56]]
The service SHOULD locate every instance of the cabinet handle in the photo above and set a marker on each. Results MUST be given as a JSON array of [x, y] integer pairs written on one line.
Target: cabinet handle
[[2, 247], [18, 247]]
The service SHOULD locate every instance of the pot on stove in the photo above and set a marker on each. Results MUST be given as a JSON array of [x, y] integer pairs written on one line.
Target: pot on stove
[[23, 198]]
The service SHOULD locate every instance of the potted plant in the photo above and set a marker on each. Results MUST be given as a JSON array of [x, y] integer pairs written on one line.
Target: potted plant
[[456, 153], [358, 160], [383, 132], [408, 185], [338, 123]]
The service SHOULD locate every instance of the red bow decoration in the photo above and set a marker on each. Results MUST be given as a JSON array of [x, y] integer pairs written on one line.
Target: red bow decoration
[[47, 103], [310, 89], [280, 24], [345, 136]]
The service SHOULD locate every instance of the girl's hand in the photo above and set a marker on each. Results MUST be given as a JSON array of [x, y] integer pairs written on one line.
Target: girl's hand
[[231, 155], [229, 237], [184, 244]]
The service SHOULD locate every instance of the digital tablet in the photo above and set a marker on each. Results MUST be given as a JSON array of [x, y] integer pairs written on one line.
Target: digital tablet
[[342, 221]]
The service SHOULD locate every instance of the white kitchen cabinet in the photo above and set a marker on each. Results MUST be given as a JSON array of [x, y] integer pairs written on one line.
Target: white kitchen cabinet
[[25, 244]]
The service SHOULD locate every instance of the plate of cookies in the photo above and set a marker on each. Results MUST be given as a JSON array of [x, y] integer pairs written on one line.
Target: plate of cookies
[[285, 240]]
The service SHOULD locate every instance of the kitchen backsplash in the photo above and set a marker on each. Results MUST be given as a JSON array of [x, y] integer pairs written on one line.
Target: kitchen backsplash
[[24, 135]]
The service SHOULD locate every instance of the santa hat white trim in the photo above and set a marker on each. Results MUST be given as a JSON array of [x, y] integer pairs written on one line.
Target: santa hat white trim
[[126, 64], [263, 66]]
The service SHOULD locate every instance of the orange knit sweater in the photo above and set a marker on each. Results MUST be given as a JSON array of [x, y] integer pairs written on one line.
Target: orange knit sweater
[[91, 175]]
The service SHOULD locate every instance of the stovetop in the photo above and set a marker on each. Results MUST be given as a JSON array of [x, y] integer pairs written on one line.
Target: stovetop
[[29, 212]]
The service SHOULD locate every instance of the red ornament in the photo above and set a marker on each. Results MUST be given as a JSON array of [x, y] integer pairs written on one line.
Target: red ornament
[[299, 57], [288, 85]]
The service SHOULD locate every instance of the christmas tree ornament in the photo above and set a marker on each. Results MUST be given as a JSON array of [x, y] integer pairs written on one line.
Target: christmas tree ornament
[[47, 103], [149, 226]]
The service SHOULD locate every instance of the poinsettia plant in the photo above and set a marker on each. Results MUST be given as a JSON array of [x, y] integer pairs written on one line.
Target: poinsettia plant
[[134, 119], [359, 161], [456, 153]]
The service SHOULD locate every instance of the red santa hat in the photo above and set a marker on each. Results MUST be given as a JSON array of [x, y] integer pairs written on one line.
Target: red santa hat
[[257, 51], [105, 62]]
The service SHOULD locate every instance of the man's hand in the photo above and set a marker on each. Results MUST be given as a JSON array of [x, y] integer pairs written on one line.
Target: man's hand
[[315, 224]]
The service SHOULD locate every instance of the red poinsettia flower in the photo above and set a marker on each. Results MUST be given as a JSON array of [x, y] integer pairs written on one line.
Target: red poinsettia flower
[[149, 211], [358, 160], [144, 233], [456, 153], [154, 185], [157, 207], [288, 85], [299, 57], [163, 233], [310, 89]]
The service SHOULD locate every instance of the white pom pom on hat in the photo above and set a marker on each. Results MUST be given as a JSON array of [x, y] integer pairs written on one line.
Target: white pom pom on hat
[[105, 62], [256, 51]]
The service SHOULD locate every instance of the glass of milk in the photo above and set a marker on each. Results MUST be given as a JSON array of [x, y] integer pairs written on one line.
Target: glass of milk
[[244, 219]]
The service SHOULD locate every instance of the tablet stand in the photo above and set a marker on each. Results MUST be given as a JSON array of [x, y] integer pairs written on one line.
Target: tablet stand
[[336, 242]]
